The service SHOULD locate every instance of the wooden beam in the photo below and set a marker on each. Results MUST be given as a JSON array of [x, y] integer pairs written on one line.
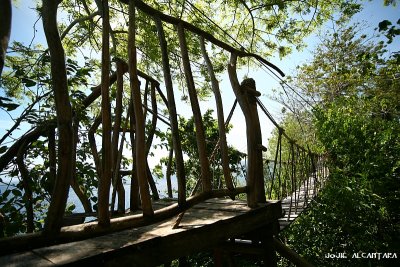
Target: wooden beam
[[247, 102], [106, 159], [198, 120], [176, 141], [175, 21], [53, 221], [290, 254], [137, 107], [220, 114]]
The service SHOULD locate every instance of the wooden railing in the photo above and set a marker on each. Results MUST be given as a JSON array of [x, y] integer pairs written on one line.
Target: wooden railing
[[286, 174]]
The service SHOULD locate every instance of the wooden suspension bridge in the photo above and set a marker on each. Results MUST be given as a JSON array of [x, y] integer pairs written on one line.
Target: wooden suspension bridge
[[155, 231]]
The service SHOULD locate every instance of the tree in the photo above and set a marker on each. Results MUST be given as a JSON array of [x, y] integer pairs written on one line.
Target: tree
[[57, 108], [353, 82]]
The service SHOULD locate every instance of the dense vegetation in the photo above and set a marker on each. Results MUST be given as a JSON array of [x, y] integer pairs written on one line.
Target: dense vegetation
[[354, 85]]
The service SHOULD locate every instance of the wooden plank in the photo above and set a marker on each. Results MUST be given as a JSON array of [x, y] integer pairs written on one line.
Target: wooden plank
[[289, 205], [24, 259], [155, 244], [68, 253], [196, 239]]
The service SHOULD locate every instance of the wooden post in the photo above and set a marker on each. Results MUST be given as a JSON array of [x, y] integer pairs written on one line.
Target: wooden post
[[150, 136], [246, 95], [200, 135], [115, 138], [93, 146], [137, 107], [220, 114], [176, 141], [267, 240], [58, 202], [52, 158], [5, 30], [87, 206], [134, 192], [26, 182], [105, 179]]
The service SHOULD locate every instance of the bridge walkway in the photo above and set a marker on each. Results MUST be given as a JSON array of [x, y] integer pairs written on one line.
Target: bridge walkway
[[203, 227]]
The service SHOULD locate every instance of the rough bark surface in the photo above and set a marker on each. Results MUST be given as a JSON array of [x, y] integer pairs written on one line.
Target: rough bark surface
[[5, 29], [200, 135], [58, 202], [105, 179], [176, 140], [221, 120], [140, 144]]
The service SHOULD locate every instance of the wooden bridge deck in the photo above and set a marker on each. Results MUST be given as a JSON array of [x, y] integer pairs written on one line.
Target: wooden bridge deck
[[203, 226], [290, 210]]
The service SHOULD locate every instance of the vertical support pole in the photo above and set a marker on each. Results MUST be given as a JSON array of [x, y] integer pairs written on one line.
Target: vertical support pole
[[137, 107], [246, 95], [87, 206], [134, 201], [220, 115], [200, 135], [176, 141], [267, 240], [296, 195], [168, 172], [5, 30], [64, 119], [105, 179], [293, 187], [115, 139], [278, 149], [150, 136]]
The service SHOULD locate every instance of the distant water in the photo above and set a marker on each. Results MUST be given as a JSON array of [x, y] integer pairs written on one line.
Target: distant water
[[73, 198], [160, 183]]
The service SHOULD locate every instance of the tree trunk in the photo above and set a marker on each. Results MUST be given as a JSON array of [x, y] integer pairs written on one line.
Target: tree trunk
[[26, 181], [134, 194], [168, 172], [151, 182], [200, 135], [176, 141], [105, 179], [87, 206], [93, 146], [52, 159], [5, 30], [221, 120], [115, 138], [58, 202], [152, 130], [137, 107], [246, 96]]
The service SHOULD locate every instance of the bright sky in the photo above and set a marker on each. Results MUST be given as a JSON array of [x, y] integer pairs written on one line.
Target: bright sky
[[374, 12]]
